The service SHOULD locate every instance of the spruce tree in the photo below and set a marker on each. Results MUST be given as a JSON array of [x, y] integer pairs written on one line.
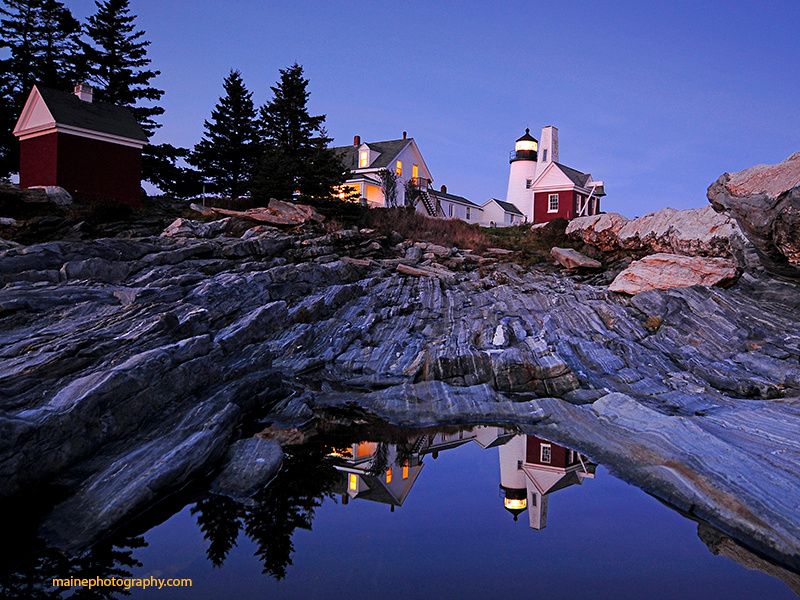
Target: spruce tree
[[117, 62], [295, 156], [229, 147], [40, 39]]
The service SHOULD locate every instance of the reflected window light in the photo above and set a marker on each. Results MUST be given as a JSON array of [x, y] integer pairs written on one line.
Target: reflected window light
[[405, 470], [353, 481], [388, 476]]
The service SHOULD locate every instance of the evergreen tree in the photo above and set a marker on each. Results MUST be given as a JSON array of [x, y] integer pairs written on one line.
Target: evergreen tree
[[296, 157], [229, 147], [117, 62], [160, 166], [40, 38]]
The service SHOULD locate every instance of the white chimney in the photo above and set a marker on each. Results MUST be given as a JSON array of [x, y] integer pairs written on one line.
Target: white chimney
[[548, 145], [84, 92]]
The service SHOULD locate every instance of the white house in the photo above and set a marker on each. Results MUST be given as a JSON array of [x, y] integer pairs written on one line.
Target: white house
[[366, 160], [455, 207], [497, 213]]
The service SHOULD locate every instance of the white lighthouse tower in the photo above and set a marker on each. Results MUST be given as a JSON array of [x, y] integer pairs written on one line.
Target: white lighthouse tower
[[528, 160]]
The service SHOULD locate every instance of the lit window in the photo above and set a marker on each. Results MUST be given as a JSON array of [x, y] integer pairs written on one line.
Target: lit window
[[405, 470], [389, 476], [415, 172], [528, 184], [545, 453], [363, 157], [399, 168], [552, 204], [353, 482]]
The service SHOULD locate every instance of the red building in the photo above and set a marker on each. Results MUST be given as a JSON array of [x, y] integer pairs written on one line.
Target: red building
[[91, 149]]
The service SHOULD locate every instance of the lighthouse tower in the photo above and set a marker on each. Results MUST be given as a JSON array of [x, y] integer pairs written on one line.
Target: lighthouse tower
[[528, 160]]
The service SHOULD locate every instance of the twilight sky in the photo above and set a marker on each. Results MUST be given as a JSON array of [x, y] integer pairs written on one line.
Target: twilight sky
[[656, 99]]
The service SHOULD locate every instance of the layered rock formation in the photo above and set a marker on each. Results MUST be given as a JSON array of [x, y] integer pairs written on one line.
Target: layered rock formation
[[765, 200], [128, 367]]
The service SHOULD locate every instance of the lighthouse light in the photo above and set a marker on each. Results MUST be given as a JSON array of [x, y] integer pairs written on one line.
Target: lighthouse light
[[526, 145]]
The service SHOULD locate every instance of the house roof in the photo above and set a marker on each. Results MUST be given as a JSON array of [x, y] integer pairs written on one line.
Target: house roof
[[506, 206], [69, 110], [387, 150], [453, 198], [575, 176]]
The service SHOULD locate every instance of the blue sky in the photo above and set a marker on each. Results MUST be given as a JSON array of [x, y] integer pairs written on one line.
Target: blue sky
[[655, 99]]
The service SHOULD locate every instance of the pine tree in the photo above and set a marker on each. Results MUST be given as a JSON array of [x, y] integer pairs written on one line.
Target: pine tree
[[41, 42], [229, 147], [296, 157], [117, 62]]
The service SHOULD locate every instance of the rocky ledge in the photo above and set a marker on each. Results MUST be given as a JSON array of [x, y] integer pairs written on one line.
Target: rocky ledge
[[129, 368]]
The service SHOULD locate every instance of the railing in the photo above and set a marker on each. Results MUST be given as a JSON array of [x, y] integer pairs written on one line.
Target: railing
[[522, 155], [420, 182]]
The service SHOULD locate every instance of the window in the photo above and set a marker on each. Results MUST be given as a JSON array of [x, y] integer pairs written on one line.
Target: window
[[528, 184], [363, 159], [389, 476], [399, 168], [544, 155], [405, 470], [545, 453], [415, 172], [450, 210], [353, 482], [468, 214], [552, 203]]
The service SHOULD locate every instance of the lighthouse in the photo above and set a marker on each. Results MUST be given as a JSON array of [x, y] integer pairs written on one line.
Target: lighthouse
[[528, 160]]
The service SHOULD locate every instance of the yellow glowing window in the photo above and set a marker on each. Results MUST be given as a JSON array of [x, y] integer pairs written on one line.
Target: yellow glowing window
[[363, 157], [399, 168], [415, 171], [365, 449], [389, 476], [353, 482], [405, 470]]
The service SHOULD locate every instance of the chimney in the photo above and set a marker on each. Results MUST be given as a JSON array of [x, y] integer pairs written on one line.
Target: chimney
[[84, 92], [356, 140], [404, 135], [444, 189]]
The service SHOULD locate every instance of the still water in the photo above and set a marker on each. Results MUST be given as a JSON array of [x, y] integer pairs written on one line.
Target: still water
[[476, 513]]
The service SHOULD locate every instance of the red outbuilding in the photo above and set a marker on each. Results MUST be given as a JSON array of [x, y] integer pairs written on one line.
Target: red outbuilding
[[91, 149]]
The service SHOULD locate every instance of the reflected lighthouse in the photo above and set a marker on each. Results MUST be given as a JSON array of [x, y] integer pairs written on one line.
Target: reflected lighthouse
[[531, 469]]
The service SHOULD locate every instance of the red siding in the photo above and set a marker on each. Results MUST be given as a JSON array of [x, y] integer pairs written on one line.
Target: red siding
[[87, 169], [541, 202], [37, 162], [559, 456]]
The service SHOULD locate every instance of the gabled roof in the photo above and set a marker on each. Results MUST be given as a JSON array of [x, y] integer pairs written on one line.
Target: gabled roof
[[453, 198], [506, 206], [388, 152], [70, 111], [575, 176]]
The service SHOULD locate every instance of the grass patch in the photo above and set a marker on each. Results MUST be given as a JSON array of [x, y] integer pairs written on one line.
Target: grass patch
[[416, 226]]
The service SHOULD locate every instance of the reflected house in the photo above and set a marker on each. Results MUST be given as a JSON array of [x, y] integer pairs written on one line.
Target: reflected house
[[385, 473], [531, 469]]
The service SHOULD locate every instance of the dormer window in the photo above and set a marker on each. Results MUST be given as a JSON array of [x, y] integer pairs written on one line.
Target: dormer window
[[399, 168], [363, 159]]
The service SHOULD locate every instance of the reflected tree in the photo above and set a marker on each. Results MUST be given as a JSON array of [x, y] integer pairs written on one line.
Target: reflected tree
[[289, 503], [220, 519], [33, 579]]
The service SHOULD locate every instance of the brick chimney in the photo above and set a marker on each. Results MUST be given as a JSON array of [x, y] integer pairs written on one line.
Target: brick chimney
[[444, 189], [356, 140], [84, 92], [404, 135]]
